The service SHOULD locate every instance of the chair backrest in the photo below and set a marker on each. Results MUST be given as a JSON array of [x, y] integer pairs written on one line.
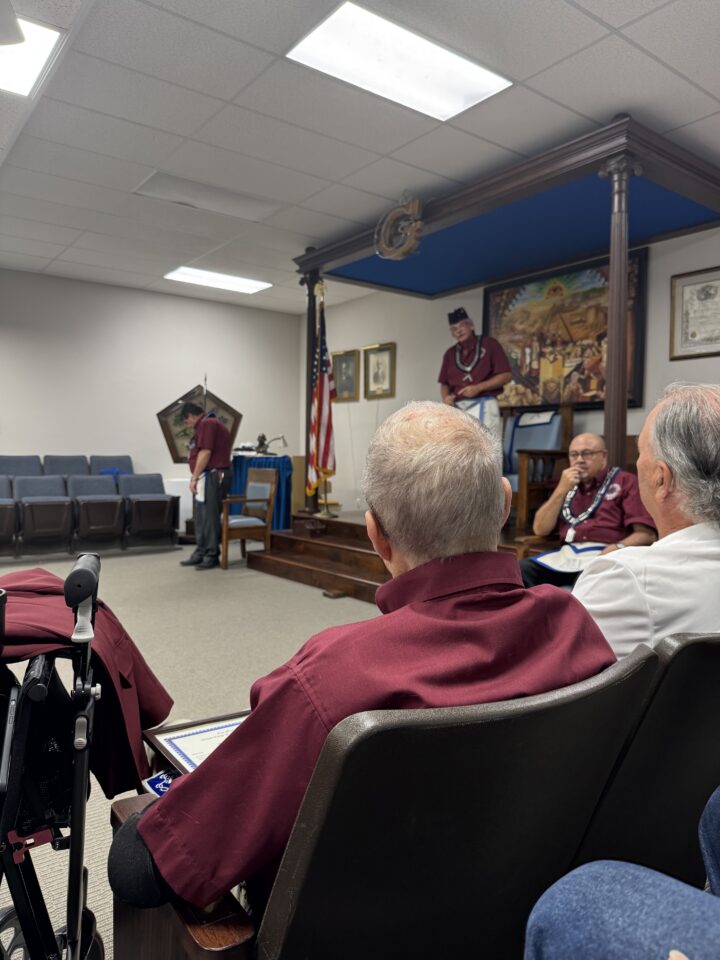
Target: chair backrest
[[531, 431], [38, 487], [21, 466], [117, 464], [65, 466], [85, 486], [424, 833], [650, 810], [261, 483], [135, 484], [5, 488]]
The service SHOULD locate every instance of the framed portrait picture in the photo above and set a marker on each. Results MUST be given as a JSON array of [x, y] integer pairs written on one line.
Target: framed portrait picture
[[346, 371], [553, 328], [695, 317], [379, 370], [178, 436]]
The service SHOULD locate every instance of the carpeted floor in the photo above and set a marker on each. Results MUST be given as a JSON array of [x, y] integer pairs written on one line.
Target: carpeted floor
[[207, 636]]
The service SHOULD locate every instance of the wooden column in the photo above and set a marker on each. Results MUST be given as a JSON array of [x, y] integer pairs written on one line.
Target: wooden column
[[618, 170], [309, 280]]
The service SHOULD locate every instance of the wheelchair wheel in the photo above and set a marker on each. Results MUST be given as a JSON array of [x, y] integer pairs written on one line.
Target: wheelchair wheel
[[12, 942]]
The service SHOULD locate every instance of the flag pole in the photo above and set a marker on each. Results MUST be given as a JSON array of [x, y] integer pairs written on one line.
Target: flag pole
[[308, 281]]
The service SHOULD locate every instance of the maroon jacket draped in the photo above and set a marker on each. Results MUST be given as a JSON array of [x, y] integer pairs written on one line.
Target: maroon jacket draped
[[133, 699]]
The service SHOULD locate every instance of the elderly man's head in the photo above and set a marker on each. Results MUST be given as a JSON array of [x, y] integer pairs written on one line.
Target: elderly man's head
[[588, 455], [433, 483], [679, 457]]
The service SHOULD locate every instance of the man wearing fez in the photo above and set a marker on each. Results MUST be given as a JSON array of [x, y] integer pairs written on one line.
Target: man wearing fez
[[474, 371], [594, 509], [457, 628], [209, 462]]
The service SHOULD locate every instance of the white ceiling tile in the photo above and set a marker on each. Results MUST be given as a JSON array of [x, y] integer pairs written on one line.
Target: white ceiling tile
[[42, 186], [83, 271], [522, 120], [177, 217], [702, 137], [98, 85], [613, 77], [273, 24], [44, 211], [20, 261], [348, 203], [257, 135], [44, 156], [155, 42], [225, 168], [514, 37], [32, 230], [32, 248], [86, 129], [12, 109], [456, 154], [312, 100], [337, 292], [182, 246], [249, 252], [57, 13], [147, 266], [684, 35], [286, 300], [273, 238], [391, 179], [618, 12], [310, 223]]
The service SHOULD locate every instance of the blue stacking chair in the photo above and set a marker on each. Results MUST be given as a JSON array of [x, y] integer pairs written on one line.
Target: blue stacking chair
[[29, 466], [65, 466], [45, 510], [114, 465], [8, 512], [99, 508], [149, 511]]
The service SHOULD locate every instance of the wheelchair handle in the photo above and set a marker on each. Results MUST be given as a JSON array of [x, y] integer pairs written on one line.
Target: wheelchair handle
[[3, 604], [82, 581]]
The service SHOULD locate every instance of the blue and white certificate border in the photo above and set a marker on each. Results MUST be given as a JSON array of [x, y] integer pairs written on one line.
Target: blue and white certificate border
[[172, 742]]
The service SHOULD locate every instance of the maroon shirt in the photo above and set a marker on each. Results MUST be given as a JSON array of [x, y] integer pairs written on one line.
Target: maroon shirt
[[133, 699], [211, 434], [492, 361], [613, 519], [457, 631]]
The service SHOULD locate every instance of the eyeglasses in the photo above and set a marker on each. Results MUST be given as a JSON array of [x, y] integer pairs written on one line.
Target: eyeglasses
[[585, 454]]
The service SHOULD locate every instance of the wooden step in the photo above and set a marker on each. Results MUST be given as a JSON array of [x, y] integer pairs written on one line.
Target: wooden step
[[345, 553], [316, 572], [341, 528]]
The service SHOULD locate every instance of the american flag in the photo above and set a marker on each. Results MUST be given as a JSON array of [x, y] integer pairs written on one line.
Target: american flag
[[321, 455]]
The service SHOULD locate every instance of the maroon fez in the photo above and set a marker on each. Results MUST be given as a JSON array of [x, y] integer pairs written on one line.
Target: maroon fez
[[457, 316]]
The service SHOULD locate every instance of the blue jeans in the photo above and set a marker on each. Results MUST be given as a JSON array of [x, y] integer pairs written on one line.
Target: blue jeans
[[620, 911]]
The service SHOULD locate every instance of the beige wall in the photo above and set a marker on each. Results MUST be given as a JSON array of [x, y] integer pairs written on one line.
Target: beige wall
[[85, 367]]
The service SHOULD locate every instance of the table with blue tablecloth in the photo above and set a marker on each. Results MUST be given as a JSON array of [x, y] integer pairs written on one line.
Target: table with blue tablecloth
[[283, 494]]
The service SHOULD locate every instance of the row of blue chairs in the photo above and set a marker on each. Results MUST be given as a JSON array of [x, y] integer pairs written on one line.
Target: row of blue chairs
[[72, 466], [53, 509]]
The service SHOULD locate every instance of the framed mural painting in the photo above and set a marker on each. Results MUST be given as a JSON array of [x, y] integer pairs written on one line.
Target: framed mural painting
[[178, 436], [695, 318], [346, 373], [553, 328]]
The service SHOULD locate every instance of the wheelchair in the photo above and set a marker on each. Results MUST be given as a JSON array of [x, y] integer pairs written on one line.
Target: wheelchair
[[45, 782]]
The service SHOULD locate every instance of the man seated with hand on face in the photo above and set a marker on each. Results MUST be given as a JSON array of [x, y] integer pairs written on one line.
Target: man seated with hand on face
[[594, 509], [457, 628]]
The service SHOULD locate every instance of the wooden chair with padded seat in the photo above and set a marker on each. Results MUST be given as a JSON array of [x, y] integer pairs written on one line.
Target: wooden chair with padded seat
[[423, 833], [255, 520]]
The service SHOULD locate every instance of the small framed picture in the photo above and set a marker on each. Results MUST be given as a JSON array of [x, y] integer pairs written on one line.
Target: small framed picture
[[346, 371], [379, 371], [695, 318]]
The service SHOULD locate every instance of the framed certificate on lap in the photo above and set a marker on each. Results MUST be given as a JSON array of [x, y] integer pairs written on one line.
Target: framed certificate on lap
[[186, 745]]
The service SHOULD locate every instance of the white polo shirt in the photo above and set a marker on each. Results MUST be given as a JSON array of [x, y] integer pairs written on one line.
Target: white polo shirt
[[642, 594]]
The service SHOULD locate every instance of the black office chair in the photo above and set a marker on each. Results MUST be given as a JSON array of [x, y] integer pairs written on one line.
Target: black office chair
[[429, 833]]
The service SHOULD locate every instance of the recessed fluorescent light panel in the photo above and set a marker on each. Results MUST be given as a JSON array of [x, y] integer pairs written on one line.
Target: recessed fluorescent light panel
[[363, 49], [21, 64], [221, 281]]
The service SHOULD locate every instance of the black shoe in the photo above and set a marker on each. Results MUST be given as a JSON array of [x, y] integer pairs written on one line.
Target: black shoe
[[209, 563], [192, 561]]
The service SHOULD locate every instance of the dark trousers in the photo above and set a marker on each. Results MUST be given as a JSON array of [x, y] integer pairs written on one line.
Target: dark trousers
[[206, 515], [534, 574]]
